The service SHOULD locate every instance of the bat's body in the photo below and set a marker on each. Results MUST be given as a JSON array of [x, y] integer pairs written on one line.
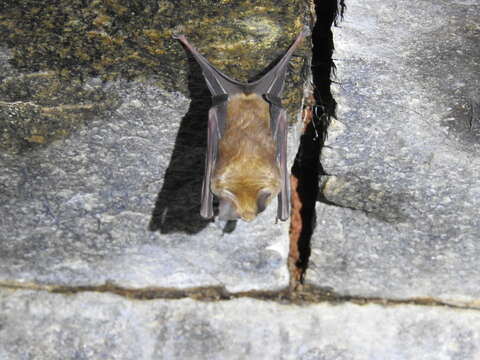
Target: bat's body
[[247, 142], [246, 165]]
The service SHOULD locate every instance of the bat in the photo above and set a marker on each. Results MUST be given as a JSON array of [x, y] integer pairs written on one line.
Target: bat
[[246, 159]]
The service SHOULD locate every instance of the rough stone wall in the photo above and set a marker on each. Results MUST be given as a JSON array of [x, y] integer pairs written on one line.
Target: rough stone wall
[[103, 125], [399, 217], [103, 254]]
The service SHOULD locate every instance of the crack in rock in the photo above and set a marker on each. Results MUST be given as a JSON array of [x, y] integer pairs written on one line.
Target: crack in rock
[[302, 295]]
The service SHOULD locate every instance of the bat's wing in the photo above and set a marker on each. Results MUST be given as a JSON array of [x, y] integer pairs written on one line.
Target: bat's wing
[[271, 84], [280, 136], [206, 208], [221, 86]]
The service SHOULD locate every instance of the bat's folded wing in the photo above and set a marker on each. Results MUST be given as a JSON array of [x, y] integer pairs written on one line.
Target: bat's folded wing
[[218, 83], [280, 136], [221, 84], [271, 84]]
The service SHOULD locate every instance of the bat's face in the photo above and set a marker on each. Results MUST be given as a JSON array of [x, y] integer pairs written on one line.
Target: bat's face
[[244, 203], [243, 194]]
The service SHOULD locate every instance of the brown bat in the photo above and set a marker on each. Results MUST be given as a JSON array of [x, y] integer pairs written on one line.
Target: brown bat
[[246, 162]]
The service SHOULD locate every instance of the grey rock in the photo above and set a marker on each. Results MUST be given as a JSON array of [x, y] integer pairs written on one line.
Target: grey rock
[[102, 326], [103, 119], [118, 201], [400, 218]]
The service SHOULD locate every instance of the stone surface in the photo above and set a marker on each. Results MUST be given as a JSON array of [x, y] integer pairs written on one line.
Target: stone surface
[[102, 326], [111, 203], [103, 120], [400, 218]]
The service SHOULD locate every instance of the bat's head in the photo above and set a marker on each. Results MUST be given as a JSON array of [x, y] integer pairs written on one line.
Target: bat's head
[[243, 205], [245, 197]]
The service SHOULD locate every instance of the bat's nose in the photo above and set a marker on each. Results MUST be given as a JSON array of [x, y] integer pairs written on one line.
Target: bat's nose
[[248, 216]]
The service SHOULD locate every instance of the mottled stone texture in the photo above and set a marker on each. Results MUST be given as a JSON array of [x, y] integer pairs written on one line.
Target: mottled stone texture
[[102, 138], [103, 120], [101, 326], [55, 45], [113, 38], [106, 205], [400, 212]]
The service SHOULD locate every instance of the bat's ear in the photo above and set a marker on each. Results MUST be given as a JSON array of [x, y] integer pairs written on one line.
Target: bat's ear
[[226, 210], [262, 200]]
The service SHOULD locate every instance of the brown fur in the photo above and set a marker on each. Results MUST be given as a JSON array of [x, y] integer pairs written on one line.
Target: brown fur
[[246, 162]]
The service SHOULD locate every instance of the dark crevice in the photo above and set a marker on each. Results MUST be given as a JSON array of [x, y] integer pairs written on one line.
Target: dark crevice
[[307, 167]]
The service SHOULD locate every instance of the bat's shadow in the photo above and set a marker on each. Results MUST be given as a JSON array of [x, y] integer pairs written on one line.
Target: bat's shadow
[[177, 208]]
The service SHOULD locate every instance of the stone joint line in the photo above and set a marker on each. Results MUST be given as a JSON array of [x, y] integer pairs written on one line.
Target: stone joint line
[[306, 295]]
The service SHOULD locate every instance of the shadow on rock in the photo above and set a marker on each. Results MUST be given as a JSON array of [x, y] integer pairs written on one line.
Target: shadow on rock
[[177, 208]]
